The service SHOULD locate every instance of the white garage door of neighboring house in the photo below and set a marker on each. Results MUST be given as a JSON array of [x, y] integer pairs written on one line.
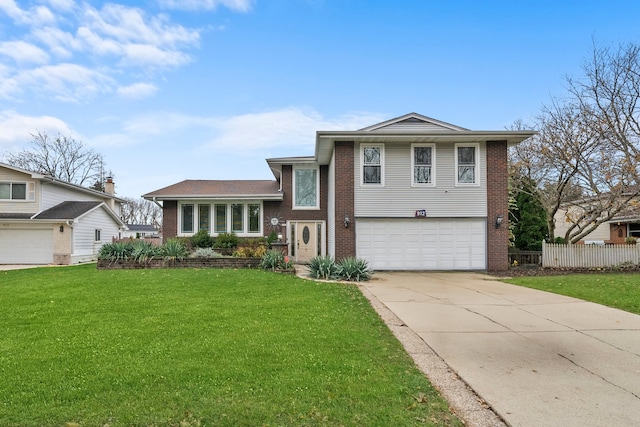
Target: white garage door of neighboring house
[[422, 244], [26, 246]]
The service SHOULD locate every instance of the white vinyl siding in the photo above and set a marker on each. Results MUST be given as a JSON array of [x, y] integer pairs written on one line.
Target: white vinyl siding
[[400, 199], [422, 244], [85, 247], [53, 195]]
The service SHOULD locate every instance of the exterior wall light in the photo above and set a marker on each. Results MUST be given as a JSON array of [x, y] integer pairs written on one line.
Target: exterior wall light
[[347, 221], [498, 221], [62, 228]]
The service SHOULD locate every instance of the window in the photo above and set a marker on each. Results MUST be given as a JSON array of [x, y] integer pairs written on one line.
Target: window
[[204, 217], [372, 161], [305, 188], [221, 218], [254, 218], [97, 235], [423, 164], [237, 220], [467, 164], [187, 219], [17, 191]]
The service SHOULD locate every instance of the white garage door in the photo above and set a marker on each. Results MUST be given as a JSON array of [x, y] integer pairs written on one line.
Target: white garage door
[[31, 246], [422, 244]]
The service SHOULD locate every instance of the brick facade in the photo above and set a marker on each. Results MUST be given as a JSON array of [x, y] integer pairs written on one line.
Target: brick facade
[[169, 219], [345, 238], [497, 205]]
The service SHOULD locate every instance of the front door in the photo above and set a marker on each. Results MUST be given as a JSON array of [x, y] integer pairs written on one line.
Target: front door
[[307, 235]]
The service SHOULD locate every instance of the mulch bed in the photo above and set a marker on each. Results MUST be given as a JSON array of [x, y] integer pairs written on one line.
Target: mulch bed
[[534, 270]]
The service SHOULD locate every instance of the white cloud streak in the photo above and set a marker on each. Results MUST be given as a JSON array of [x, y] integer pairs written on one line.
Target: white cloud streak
[[237, 5]]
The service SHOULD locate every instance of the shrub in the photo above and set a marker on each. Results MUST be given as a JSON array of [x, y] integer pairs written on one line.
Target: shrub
[[206, 253], [631, 240], [174, 249], [272, 260], [226, 240], [202, 239], [273, 236], [142, 251], [115, 251], [323, 267], [354, 269]]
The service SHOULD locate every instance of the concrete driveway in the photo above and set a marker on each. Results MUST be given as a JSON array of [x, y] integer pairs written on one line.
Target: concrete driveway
[[535, 358]]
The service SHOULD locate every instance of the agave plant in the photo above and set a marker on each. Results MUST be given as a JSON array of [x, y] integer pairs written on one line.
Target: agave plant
[[354, 269], [174, 249], [323, 267]]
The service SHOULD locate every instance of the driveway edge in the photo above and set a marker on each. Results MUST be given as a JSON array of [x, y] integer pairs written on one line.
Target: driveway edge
[[466, 404]]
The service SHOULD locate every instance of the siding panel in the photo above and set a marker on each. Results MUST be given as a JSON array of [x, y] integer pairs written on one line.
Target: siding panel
[[398, 199]]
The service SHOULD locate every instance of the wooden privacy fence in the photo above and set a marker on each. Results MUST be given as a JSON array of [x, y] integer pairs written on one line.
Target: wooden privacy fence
[[589, 256]]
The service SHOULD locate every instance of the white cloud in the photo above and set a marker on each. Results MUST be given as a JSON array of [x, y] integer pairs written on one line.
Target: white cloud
[[66, 82], [17, 129], [237, 5], [23, 52], [137, 90]]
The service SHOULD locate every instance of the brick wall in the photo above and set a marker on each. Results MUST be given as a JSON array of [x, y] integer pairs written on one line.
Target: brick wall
[[344, 164], [169, 219], [497, 204]]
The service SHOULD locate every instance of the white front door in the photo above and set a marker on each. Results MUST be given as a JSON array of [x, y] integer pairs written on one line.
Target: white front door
[[307, 238]]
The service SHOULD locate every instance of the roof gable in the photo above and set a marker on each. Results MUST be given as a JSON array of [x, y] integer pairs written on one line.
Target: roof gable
[[412, 122]]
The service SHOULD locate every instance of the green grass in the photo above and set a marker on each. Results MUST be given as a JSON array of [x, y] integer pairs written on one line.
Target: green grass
[[198, 348], [614, 290]]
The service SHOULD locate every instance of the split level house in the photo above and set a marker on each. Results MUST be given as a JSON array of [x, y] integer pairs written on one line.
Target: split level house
[[410, 193], [44, 220]]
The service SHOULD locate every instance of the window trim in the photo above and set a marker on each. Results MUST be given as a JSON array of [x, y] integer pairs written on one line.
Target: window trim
[[294, 206], [29, 191], [362, 165], [213, 217], [433, 165], [476, 175]]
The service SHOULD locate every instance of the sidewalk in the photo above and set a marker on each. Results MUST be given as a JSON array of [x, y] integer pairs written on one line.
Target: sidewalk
[[535, 358]]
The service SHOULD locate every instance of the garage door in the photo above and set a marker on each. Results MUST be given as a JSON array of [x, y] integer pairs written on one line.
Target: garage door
[[422, 244], [22, 246]]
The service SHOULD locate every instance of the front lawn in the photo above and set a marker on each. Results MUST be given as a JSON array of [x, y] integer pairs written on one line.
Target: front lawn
[[85, 347], [614, 290]]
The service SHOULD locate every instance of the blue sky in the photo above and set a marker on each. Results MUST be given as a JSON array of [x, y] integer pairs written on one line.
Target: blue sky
[[169, 90]]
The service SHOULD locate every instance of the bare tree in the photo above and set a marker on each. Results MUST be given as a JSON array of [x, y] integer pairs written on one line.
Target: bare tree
[[586, 157], [142, 212], [61, 157]]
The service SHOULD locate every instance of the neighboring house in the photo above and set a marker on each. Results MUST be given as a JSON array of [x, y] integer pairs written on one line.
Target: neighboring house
[[411, 193], [135, 231], [625, 223], [47, 221]]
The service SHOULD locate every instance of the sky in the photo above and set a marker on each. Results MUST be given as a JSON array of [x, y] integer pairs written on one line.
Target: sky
[[168, 90]]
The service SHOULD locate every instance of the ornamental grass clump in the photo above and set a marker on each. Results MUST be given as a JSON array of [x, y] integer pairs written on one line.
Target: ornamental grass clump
[[354, 269], [323, 267], [115, 251], [174, 249], [142, 252]]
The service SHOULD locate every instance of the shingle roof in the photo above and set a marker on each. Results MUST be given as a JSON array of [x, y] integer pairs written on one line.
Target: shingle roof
[[13, 215], [218, 188], [67, 210], [142, 227]]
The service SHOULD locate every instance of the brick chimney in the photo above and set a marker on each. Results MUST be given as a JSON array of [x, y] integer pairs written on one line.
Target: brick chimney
[[109, 186]]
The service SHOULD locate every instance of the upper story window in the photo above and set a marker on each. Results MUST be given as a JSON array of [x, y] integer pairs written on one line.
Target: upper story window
[[306, 188], [423, 164], [17, 191], [467, 164], [372, 164]]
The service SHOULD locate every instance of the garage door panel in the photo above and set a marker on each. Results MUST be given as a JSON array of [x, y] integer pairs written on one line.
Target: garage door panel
[[26, 246], [414, 244]]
